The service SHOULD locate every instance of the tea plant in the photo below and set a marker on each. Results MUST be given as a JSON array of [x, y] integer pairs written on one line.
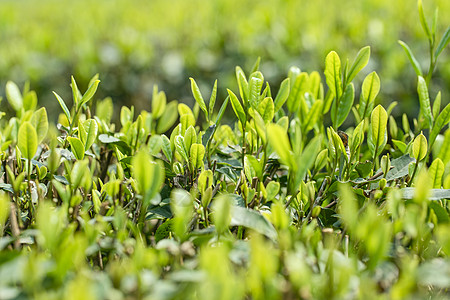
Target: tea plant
[[308, 194]]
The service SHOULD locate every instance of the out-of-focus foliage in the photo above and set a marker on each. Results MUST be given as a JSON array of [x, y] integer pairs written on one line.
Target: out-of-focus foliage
[[135, 44]]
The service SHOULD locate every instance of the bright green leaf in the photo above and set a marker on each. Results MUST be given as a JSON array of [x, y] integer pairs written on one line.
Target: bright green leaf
[[77, 147], [27, 140]]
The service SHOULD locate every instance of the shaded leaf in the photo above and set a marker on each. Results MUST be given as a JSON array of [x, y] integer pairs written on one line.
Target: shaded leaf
[[251, 219]]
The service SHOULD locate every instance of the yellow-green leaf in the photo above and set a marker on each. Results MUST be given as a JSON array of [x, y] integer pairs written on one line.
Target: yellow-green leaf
[[198, 96], [27, 140], [420, 147], [279, 141], [333, 73], [88, 132], [77, 147], [40, 122], [197, 153], [14, 96], [436, 171], [424, 98]]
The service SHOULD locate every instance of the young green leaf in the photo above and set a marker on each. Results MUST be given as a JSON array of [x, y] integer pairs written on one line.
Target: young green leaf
[[370, 90], [75, 91], [40, 122], [361, 60], [196, 156], [283, 94], [437, 104], [412, 59], [266, 109], [190, 137], [423, 21], [424, 99], [198, 96], [314, 115], [87, 131], [167, 150], [333, 73], [420, 147], [27, 140], [254, 88], [344, 107], [212, 99], [442, 43], [306, 160], [243, 85], [298, 90], [159, 102], [279, 141], [89, 93], [436, 171], [377, 132], [237, 107], [442, 120], [77, 147], [148, 174], [181, 148], [168, 118], [63, 106], [14, 96]]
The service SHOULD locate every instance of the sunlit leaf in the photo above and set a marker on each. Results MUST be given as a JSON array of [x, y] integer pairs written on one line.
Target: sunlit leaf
[[27, 140]]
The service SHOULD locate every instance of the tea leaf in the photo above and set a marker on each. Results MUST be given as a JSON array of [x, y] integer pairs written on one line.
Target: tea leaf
[[149, 175], [314, 115], [27, 140], [442, 43], [237, 107], [181, 148], [88, 132], [423, 21], [197, 153], [243, 85], [361, 60], [436, 171], [344, 107], [278, 139], [283, 94], [212, 99], [159, 102], [40, 122], [89, 93], [306, 160], [266, 109], [333, 73], [420, 147], [198, 96], [63, 106], [370, 89], [377, 132], [77, 147], [241, 216], [415, 64], [14, 96], [168, 118], [424, 99], [254, 87], [441, 121]]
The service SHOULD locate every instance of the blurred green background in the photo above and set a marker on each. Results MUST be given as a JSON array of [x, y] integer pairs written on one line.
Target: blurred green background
[[136, 44]]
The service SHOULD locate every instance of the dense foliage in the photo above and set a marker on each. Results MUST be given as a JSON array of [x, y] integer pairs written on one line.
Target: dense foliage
[[309, 193], [135, 44]]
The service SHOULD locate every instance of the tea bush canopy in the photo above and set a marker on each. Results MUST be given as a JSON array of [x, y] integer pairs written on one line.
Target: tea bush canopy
[[307, 186]]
